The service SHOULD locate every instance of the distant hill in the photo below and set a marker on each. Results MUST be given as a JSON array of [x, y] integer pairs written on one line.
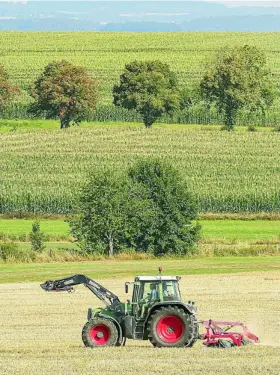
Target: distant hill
[[135, 16]]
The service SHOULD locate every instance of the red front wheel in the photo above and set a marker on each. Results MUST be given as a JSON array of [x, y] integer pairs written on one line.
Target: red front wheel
[[99, 332]]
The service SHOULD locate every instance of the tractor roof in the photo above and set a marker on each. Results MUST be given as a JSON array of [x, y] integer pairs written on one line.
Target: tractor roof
[[157, 278]]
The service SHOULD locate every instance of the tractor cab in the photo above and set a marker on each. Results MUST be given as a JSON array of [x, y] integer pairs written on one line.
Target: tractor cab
[[156, 288], [149, 290]]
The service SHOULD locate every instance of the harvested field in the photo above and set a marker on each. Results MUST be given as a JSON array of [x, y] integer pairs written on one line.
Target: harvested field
[[40, 332]]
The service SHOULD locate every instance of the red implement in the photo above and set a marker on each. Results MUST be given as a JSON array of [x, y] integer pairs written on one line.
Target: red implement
[[219, 334]]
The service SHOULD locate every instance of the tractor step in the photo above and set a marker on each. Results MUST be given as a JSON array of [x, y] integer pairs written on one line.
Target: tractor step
[[139, 330]]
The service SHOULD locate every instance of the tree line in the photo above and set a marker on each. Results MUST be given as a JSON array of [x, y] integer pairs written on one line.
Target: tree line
[[238, 78]]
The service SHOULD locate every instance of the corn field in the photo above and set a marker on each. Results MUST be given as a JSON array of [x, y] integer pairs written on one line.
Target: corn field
[[41, 171], [25, 54]]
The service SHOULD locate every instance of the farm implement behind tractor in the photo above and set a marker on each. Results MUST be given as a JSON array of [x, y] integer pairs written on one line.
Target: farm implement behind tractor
[[155, 313]]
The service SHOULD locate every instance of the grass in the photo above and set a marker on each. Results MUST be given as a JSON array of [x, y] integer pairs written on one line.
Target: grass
[[17, 227], [240, 230], [119, 268], [10, 125], [220, 230], [41, 332]]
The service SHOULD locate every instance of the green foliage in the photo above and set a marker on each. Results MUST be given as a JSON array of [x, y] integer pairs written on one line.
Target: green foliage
[[277, 129], [252, 128], [238, 79], [190, 96], [150, 211], [150, 88], [64, 91], [164, 223], [10, 252], [105, 54], [37, 237], [100, 220], [7, 90]]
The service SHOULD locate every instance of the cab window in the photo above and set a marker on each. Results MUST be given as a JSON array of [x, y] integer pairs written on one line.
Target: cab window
[[170, 290]]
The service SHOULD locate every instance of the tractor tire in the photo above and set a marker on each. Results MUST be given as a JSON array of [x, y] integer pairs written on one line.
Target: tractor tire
[[194, 323], [100, 332], [171, 326]]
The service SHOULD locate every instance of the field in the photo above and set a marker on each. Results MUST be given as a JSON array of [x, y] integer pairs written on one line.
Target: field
[[41, 332], [25, 54], [42, 170], [226, 172], [220, 230], [115, 269]]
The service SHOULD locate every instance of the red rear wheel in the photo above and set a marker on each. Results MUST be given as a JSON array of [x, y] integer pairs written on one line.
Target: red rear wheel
[[170, 328]]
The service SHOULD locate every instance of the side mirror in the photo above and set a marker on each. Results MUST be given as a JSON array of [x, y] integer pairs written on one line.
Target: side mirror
[[126, 288]]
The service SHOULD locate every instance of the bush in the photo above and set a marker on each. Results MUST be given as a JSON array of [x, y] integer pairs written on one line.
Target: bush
[[37, 237], [11, 252], [251, 128], [277, 128]]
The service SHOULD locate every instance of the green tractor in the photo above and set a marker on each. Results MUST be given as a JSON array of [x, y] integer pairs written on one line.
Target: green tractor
[[155, 312]]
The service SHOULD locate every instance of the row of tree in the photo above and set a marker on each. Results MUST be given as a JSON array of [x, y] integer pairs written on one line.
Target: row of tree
[[238, 78]]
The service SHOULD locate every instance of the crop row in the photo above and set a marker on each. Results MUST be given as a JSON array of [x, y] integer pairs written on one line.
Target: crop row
[[42, 171], [25, 54]]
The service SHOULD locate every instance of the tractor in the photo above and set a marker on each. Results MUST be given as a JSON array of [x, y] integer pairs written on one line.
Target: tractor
[[155, 313]]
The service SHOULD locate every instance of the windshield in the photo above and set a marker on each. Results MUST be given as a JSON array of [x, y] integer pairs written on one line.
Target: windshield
[[170, 290]]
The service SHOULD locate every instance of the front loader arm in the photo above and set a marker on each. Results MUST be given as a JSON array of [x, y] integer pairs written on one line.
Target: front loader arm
[[66, 285]]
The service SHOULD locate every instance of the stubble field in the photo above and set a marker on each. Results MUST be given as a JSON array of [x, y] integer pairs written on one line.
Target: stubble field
[[40, 332]]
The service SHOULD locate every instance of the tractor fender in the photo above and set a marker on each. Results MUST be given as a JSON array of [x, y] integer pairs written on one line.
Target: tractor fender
[[120, 339], [188, 308]]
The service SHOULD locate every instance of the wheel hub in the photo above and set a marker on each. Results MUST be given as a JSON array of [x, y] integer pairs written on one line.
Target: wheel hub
[[170, 329]]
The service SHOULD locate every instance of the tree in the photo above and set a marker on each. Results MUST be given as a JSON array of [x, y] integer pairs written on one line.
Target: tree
[[166, 226], [100, 220], [238, 79], [7, 90], [148, 209], [150, 88], [37, 237], [64, 91]]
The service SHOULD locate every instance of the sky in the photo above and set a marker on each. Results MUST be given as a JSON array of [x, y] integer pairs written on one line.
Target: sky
[[229, 3], [234, 3]]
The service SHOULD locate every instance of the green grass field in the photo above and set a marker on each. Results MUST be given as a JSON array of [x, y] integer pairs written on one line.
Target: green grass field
[[226, 172], [220, 230], [12, 125]]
